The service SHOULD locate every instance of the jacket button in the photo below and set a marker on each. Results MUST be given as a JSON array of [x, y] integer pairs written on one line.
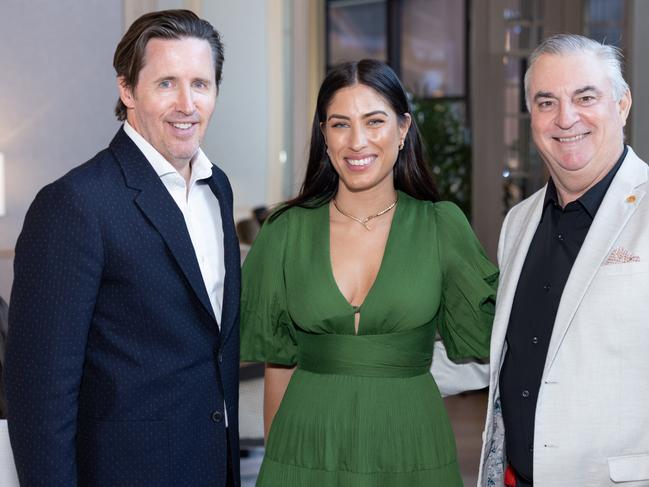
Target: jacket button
[[217, 416], [220, 357]]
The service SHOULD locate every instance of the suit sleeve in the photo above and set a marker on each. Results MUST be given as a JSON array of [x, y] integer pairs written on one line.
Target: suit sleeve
[[57, 274]]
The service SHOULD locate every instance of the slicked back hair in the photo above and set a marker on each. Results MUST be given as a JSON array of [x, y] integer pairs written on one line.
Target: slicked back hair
[[129, 56], [570, 44]]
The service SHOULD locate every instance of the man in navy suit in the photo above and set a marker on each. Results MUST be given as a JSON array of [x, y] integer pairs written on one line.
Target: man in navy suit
[[123, 349]]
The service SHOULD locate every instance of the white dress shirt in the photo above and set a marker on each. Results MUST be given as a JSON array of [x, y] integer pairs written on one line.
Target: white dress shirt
[[200, 208]]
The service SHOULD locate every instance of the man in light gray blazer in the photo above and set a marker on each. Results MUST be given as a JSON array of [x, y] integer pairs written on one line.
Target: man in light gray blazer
[[569, 388]]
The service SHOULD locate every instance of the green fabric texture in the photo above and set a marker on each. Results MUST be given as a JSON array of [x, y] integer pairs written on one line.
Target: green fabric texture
[[400, 354], [362, 409]]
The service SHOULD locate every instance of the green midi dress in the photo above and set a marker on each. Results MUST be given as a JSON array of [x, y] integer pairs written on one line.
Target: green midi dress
[[362, 410]]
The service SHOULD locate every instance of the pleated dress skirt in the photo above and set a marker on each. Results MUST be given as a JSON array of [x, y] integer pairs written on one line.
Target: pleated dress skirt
[[362, 411]]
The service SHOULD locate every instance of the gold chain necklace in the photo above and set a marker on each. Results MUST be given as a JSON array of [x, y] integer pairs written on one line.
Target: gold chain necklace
[[367, 219]]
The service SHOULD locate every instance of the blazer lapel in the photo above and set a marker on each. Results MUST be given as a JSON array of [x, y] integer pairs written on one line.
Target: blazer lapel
[[612, 216], [221, 189], [522, 231], [161, 210]]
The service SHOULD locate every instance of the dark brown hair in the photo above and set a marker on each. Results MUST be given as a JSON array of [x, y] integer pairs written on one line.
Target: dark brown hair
[[166, 24], [411, 173]]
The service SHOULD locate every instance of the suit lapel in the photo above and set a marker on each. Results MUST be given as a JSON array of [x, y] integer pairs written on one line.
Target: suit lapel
[[161, 210], [221, 189], [522, 231], [521, 224], [612, 216]]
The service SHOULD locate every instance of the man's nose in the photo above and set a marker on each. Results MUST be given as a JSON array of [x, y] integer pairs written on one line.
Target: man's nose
[[185, 101], [568, 115]]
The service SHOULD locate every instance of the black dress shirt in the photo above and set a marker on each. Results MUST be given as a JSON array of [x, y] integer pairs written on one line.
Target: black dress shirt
[[553, 251]]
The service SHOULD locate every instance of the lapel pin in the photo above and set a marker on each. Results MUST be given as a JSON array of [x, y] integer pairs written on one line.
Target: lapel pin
[[630, 199]]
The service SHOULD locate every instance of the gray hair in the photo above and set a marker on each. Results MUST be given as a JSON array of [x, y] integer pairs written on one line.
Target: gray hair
[[565, 44]]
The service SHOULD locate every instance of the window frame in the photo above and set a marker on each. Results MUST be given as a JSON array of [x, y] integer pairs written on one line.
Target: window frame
[[393, 30]]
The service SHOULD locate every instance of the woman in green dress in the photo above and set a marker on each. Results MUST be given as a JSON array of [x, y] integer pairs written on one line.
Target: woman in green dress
[[344, 291]]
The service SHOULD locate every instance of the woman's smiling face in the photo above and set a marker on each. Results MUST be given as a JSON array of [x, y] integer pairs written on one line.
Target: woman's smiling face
[[363, 134]]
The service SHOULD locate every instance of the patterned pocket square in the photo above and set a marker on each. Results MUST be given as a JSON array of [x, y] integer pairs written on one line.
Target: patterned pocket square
[[620, 255]]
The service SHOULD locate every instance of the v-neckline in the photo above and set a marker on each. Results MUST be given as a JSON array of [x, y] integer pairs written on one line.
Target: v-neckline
[[329, 263]]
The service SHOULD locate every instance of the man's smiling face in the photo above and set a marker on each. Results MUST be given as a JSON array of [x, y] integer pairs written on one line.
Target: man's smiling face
[[577, 124], [174, 98]]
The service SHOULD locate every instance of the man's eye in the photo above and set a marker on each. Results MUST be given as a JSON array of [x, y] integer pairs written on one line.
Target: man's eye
[[587, 99], [544, 105], [200, 84], [165, 84]]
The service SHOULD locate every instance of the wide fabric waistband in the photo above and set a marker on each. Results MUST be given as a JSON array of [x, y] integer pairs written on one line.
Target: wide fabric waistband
[[401, 354]]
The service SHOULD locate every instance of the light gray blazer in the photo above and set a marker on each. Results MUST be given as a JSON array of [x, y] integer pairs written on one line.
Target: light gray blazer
[[592, 415]]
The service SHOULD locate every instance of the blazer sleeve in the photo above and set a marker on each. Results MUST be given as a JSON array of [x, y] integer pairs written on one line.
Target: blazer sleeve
[[57, 273]]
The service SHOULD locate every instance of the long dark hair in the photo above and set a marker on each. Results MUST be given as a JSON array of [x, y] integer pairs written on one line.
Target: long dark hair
[[411, 173]]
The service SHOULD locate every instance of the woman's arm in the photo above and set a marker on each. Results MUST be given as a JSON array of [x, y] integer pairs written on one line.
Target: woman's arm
[[276, 379]]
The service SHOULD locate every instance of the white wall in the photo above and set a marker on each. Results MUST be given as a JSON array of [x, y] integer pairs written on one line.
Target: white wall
[[260, 129], [57, 93], [237, 139]]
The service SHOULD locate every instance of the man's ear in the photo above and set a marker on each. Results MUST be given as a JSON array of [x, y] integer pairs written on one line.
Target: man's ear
[[125, 92], [624, 105]]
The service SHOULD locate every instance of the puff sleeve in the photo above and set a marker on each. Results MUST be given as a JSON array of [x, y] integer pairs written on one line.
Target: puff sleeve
[[469, 282], [267, 332]]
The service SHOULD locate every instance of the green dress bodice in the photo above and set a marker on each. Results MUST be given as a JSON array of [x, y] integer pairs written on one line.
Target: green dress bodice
[[362, 409]]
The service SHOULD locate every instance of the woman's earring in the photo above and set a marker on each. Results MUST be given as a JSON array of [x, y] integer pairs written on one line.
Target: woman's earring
[[401, 145]]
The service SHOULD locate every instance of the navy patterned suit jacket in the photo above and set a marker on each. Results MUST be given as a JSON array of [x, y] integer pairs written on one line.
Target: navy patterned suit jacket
[[116, 368]]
